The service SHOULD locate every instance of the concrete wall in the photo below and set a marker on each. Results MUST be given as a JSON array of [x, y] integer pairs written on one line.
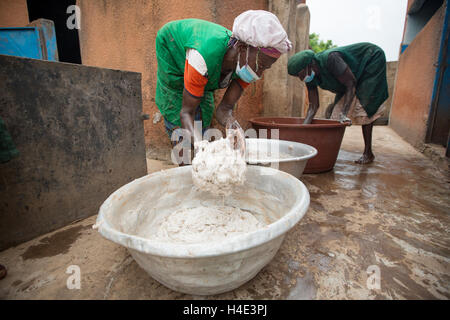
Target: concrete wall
[[121, 35], [391, 74], [327, 97], [80, 136], [300, 95], [415, 79], [284, 95], [13, 13]]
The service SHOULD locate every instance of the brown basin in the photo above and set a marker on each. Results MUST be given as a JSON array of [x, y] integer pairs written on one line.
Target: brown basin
[[324, 135]]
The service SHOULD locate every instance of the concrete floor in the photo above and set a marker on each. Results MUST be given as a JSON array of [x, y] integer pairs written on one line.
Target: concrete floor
[[392, 214]]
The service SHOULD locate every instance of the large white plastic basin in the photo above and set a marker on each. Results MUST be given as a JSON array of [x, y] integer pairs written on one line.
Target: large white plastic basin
[[206, 268]]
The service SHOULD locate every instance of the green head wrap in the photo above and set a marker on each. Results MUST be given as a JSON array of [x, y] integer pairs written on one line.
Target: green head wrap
[[299, 61]]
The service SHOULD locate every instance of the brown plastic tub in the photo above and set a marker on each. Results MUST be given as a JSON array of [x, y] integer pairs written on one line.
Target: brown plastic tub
[[324, 135]]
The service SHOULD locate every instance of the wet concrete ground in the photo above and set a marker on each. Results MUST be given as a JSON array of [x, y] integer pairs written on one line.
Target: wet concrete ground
[[391, 217]]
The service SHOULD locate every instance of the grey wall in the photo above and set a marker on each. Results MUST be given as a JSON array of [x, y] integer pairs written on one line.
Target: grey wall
[[80, 136]]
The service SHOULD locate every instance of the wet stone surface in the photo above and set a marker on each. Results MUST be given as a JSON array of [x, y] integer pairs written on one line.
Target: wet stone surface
[[390, 216]]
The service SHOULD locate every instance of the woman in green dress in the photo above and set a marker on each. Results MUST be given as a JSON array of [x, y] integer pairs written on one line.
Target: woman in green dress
[[196, 57], [357, 74]]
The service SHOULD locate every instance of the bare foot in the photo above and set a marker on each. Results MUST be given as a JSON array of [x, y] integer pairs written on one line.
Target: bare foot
[[365, 158]]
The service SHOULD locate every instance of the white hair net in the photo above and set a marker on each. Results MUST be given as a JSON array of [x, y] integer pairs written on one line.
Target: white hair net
[[260, 28]]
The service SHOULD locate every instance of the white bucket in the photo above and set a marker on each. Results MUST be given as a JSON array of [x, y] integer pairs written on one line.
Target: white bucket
[[287, 156]]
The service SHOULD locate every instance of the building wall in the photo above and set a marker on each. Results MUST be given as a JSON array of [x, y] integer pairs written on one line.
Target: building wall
[[415, 79], [300, 99], [13, 13], [391, 73], [284, 95], [121, 35]]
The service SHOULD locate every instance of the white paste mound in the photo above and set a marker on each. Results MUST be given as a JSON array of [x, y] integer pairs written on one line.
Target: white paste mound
[[217, 167], [205, 224]]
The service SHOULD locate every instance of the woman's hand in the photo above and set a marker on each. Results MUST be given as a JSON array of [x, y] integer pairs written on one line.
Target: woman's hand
[[345, 120], [235, 134]]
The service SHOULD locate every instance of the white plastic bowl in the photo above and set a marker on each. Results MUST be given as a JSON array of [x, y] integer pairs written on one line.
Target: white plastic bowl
[[292, 156], [207, 268]]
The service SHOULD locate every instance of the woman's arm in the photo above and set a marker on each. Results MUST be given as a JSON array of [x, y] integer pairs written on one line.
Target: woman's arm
[[224, 112], [341, 71], [349, 81], [187, 114], [313, 97]]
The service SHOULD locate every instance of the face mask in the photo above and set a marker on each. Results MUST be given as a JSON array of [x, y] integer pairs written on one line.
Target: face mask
[[246, 73], [310, 77]]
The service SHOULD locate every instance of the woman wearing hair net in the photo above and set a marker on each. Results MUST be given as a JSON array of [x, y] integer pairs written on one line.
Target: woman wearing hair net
[[196, 57]]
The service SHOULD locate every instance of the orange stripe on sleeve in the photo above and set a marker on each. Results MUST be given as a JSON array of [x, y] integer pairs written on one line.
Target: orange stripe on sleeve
[[194, 82], [243, 83]]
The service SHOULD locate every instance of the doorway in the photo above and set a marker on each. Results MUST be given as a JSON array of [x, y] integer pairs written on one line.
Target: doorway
[[67, 39]]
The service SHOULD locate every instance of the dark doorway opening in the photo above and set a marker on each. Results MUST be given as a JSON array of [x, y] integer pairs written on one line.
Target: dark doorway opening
[[438, 130], [67, 39], [420, 12]]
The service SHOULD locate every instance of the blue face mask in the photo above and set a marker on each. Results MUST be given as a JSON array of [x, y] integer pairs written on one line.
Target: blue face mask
[[310, 77], [246, 73]]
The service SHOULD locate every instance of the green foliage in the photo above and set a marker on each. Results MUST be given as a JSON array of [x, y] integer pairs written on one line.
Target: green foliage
[[318, 45]]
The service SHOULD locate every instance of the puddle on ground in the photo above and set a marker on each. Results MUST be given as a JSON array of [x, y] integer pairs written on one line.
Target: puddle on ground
[[58, 243]]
